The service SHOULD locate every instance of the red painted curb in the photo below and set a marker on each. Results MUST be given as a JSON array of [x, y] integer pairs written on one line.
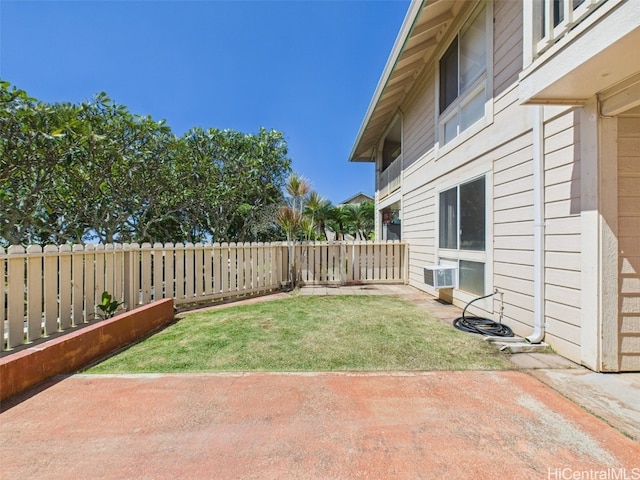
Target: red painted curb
[[68, 353]]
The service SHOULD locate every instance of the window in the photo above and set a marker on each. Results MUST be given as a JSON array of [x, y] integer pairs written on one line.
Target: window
[[463, 77], [552, 19], [462, 228]]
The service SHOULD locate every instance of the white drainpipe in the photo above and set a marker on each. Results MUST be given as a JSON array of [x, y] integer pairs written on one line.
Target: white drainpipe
[[539, 227]]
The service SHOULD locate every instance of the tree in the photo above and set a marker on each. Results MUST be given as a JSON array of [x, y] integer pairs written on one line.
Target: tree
[[318, 209], [361, 218], [35, 141], [234, 180], [71, 172], [290, 218]]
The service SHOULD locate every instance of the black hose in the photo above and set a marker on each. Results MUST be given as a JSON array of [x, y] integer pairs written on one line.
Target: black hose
[[481, 325]]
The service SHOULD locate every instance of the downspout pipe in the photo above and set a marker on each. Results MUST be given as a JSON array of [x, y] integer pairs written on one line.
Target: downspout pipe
[[538, 227]]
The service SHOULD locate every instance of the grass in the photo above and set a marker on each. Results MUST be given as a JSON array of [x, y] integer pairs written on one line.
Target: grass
[[300, 333]]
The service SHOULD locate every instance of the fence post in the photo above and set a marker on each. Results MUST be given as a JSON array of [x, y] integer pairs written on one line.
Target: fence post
[[51, 291], [129, 277], [15, 296], [145, 272], [89, 283], [64, 279], [405, 263], [343, 263], [77, 280], [34, 295], [3, 282]]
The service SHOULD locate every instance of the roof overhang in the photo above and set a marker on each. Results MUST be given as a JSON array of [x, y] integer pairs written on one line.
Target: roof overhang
[[589, 64], [421, 31]]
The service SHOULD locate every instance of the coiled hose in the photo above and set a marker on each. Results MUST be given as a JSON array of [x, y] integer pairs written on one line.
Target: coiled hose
[[481, 325]]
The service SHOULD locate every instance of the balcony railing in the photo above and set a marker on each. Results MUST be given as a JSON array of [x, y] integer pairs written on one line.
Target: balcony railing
[[555, 18], [390, 177]]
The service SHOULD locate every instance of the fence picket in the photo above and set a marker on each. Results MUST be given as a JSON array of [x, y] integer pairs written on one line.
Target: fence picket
[[77, 285], [198, 255], [179, 270], [99, 271], [118, 272], [208, 271], [396, 257], [89, 283], [168, 272], [248, 261], [224, 266], [109, 267], [158, 271], [34, 292], [233, 267], [3, 302], [64, 279], [51, 258], [15, 296], [145, 273]]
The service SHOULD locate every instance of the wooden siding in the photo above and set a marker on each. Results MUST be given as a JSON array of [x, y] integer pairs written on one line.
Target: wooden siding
[[629, 242], [507, 39], [563, 282], [419, 118], [513, 232], [504, 148], [419, 230]]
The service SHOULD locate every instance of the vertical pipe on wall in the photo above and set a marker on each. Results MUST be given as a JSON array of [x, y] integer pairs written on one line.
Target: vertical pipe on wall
[[538, 226]]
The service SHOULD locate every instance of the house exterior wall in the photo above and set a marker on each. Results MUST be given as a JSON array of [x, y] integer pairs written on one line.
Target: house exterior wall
[[629, 242], [587, 155], [418, 214], [503, 152], [562, 232]]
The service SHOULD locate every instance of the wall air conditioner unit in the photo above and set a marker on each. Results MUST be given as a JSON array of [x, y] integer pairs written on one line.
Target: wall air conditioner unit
[[440, 276]]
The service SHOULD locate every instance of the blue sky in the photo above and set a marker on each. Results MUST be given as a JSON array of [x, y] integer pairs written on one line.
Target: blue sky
[[306, 68]]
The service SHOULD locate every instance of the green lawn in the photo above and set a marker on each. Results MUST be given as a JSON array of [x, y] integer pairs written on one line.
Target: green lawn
[[301, 333]]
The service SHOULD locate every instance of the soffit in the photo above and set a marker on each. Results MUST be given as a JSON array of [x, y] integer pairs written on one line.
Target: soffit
[[414, 49]]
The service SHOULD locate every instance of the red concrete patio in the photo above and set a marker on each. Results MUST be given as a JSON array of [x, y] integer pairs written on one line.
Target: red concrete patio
[[437, 425]]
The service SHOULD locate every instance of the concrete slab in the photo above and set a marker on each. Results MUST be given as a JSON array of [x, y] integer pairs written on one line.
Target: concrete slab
[[531, 361], [613, 397], [444, 425]]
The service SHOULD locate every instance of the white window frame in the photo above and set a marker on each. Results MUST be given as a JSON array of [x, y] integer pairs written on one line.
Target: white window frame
[[485, 80], [452, 257], [536, 9]]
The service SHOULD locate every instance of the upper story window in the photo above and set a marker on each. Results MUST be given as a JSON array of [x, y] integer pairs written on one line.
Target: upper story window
[[463, 77], [554, 18]]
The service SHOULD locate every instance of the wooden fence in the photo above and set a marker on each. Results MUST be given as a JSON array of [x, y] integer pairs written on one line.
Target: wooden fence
[[49, 290]]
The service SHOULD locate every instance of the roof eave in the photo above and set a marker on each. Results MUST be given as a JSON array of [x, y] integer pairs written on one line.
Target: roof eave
[[396, 51]]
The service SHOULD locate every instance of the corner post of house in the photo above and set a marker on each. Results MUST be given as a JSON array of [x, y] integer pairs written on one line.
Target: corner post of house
[[608, 228], [590, 232]]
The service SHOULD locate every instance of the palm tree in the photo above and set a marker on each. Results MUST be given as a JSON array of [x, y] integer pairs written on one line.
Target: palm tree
[[298, 188], [362, 218], [337, 220], [289, 220], [289, 217], [318, 208]]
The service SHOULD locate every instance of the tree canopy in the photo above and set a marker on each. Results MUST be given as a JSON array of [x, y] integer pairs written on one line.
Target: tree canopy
[[71, 173], [76, 172]]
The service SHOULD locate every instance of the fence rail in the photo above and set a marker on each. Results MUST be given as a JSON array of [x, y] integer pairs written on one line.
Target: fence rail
[[53, 289]]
